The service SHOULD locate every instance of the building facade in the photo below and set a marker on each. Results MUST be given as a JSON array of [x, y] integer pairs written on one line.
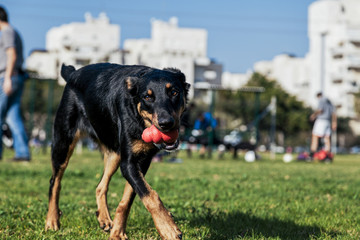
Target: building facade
[[172, 46], [332, 64], [97, 40], [291, 72], [337, 65], [77, 44]]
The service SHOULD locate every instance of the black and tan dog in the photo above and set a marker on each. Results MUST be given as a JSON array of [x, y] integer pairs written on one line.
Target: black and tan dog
[[113, 104]]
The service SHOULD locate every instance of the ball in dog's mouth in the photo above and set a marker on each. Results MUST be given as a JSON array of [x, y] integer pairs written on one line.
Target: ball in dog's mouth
[[164, 140]]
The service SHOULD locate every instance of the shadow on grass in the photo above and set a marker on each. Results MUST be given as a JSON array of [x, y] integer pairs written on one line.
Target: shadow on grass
[[237, 225]]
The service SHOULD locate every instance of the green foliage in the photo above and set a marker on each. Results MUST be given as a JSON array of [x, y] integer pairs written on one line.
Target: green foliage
[[210, 199], [357, 103], [36, 96], [291, 116], [39, 103]]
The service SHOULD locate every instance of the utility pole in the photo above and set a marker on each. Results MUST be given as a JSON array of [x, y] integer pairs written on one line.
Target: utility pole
[[273, 126], [323, 62]]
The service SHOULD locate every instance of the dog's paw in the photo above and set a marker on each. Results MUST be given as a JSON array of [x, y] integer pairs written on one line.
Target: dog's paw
[[52, 224], [53, 220], [118, 236], [171, 234], [166, 226], [106, 226], [105, 222], [169, 230]]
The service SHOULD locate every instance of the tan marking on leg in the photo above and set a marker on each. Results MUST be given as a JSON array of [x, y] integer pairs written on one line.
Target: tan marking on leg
[[163, 220], [53, 215], [139, 146], [122, 212], [111, 164]]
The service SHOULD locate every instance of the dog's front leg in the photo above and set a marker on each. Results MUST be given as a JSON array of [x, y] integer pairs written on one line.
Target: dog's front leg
[[122, 212], [163, 220]]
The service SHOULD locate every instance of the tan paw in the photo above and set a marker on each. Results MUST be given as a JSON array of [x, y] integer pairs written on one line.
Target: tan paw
[[104, 220]]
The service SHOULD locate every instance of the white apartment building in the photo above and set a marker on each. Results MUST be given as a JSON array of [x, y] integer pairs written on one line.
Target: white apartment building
[[234, 80], [96, 40], [334, 54], [332, 64], [78, 44], [291, 72]]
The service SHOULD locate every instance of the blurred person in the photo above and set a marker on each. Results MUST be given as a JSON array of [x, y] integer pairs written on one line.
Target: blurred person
[[204, 126], [325, 122], [12, 84]]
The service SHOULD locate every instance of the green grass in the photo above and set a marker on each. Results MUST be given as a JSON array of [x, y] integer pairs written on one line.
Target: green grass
[[210, 199]]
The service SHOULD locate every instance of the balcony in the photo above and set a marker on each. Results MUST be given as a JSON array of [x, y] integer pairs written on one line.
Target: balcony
[[342, 51], [353, 62], [353, 34]]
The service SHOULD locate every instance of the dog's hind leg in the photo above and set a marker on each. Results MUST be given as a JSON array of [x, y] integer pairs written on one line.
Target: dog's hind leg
[[111, 164], [63, 146]]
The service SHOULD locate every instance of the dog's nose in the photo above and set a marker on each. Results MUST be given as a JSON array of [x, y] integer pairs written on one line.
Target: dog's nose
[[166, 123]]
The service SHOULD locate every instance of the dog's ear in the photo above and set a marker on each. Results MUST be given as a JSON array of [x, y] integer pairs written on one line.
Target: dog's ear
[[131, 85], [180, 75], [187, 86], [66, 71]]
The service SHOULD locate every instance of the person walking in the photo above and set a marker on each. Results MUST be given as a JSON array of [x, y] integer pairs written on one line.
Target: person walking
[[12, 85], [325, 122]]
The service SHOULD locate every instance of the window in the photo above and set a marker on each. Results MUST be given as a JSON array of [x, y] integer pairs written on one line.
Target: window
[[338, 56], [356, 44], [337, 81], [82, 62]]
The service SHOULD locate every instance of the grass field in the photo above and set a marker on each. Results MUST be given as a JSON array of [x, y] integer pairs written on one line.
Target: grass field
[[210, 199]]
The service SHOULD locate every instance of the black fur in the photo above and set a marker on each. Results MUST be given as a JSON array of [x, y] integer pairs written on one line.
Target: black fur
[[102, 100]]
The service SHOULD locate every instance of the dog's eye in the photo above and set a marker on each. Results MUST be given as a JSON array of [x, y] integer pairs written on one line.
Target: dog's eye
[[148, 98], [174, 93]]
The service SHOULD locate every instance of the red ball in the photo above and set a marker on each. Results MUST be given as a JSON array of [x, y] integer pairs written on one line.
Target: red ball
[[170, 137], [156, 135], [152, 134], [147, 135]]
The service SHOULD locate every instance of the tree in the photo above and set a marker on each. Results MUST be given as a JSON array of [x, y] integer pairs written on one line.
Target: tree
[[38, 106], [291, 118]]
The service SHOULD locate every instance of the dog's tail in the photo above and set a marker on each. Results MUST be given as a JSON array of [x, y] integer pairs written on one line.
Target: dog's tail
[[66, 71]]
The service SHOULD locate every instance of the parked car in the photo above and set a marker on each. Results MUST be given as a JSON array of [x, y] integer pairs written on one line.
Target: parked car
[[233, 139], [238, 140]]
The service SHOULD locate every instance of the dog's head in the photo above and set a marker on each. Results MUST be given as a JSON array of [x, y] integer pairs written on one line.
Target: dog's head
[[161, 97]]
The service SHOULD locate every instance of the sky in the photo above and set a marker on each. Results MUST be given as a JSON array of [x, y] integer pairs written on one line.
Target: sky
[[240, 32]]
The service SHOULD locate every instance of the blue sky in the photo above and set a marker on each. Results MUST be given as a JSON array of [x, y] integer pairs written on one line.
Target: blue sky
[[239, 32]]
